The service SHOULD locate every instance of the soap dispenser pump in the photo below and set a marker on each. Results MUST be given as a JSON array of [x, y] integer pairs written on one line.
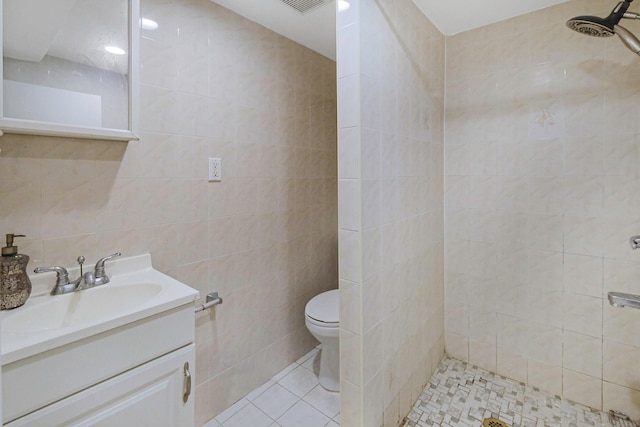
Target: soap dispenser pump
[[15, 286]]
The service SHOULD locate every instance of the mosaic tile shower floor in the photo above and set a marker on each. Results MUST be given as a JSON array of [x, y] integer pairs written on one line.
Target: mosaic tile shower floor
[[462, 395]]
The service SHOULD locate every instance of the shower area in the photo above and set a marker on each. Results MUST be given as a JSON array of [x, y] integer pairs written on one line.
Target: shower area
[[488, 187]]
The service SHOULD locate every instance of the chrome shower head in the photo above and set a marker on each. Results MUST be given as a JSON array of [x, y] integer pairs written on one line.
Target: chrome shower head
[[607, 27], [591, 26]]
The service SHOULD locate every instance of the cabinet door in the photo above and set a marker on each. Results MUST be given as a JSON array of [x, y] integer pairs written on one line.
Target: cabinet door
[[150, 395]]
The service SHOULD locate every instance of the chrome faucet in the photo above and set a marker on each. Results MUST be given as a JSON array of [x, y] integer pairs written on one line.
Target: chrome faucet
[[618, 299], [85, 281]]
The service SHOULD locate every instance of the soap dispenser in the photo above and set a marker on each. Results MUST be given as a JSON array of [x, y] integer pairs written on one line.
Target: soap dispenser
[[15, 286]]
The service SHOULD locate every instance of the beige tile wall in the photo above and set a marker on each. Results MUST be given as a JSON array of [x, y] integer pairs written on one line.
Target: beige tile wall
[[542, 189], [213, 85], [539, 198], [390, 168]]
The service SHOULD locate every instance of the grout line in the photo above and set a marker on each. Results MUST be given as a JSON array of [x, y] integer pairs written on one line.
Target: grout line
[[253, 395], [230, 412], [265, 414]]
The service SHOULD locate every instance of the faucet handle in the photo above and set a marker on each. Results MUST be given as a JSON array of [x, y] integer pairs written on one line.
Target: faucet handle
[[100, 274], [62, 277]]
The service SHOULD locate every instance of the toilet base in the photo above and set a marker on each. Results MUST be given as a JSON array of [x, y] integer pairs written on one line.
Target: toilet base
[[329, 375]]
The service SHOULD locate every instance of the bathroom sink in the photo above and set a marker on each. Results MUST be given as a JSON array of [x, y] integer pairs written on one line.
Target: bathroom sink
[[136, 291], [77, 308]]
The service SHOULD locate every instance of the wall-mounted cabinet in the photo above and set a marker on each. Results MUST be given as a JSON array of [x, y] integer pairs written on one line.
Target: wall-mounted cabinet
[[70, 68]]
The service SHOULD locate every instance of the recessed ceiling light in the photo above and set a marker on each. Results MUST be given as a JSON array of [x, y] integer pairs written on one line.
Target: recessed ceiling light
[[148, 24], [115, 50], [343, 5]]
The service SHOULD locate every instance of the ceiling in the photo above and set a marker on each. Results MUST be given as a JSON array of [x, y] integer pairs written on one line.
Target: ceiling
[[453, 17], [316, 28], [74, 30], [58, 30]]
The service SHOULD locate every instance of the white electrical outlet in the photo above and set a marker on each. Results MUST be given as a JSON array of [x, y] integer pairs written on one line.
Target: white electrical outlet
[[215, 169]]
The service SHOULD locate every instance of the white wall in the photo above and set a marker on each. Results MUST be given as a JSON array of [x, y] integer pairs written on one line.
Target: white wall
[[390, 167]]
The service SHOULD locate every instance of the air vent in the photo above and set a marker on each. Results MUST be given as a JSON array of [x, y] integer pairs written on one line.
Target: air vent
[[303, 6]]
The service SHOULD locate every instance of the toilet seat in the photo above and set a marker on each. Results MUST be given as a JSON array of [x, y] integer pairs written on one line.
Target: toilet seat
[[322, 324], [324, 309]]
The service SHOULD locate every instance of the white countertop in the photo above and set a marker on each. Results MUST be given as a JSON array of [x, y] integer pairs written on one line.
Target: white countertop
[[125, 272]]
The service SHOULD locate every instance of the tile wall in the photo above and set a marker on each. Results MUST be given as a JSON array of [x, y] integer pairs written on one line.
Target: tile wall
[[541, 196], [390, 120], [213, 85]]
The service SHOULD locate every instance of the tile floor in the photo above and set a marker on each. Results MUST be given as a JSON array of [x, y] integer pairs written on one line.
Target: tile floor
[[292, 398], [458, 395], [462, 395]]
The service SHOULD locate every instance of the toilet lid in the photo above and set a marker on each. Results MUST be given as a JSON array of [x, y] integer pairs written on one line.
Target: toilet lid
[[325, 307]]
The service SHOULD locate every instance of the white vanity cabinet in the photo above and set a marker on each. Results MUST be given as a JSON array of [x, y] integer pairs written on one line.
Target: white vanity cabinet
[[123, 354], [139, 374], [150, 395]]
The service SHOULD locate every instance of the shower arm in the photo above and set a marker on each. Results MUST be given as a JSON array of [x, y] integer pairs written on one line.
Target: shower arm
[[630, 15]]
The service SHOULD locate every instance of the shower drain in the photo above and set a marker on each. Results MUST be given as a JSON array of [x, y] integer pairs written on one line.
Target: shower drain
[[618, 419], [492, 422]]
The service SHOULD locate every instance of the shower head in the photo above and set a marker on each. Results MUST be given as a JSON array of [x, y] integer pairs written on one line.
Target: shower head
[[592, 26], [599, 27], [606, 27]]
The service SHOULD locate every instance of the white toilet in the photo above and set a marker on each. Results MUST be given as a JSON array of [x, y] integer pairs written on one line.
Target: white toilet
[[323, 321]]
